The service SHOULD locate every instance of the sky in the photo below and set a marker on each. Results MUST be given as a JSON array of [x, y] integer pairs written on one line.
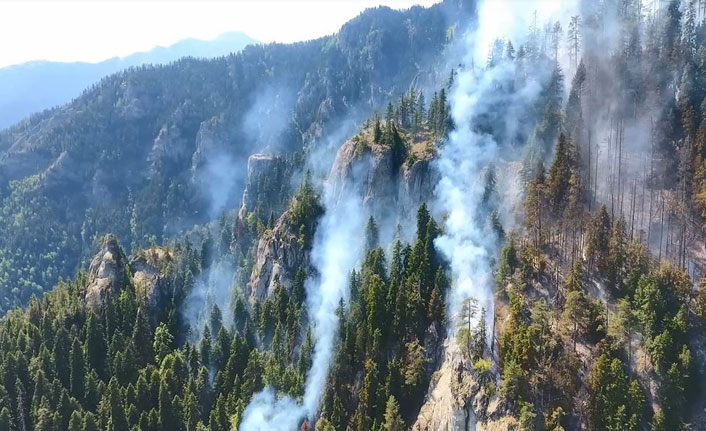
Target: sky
[[96, 30]]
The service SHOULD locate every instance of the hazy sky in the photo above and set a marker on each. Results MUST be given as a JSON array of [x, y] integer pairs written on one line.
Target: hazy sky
[[96, 30]]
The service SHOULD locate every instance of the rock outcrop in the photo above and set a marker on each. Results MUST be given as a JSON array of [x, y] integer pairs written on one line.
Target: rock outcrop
[[369, 170], [214, 141], [107, 273], [459, 400], [266, 179], [173, 145], [279, 256], [150, 269]]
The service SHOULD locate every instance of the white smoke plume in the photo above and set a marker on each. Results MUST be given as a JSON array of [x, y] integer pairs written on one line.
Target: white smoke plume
[[211, 288], [337, 248], [466, 242]]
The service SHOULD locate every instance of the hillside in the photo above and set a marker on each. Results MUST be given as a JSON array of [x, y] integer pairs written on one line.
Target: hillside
[[508, 245], [32, 87], [153, 150]]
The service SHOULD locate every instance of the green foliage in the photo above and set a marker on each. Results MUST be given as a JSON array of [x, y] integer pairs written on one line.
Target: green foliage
[[304, 212], [65, 183], [393, 418], [616, 403], [559, 175]]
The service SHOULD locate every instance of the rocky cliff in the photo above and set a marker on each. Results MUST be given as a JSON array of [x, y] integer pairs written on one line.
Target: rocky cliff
[[111, 271], [107, 273], [370, 170], [279, 256], [462, 399], [150, 269]]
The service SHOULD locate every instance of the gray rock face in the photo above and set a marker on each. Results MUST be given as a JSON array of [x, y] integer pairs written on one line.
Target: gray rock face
[[64, 172], [268, 179], [26, 153], [19, 164], [279, 257], [384, 188], [171, 145], [459, 401], [134, 101], [263, 168], [149, 269], [212, 141], [417, 184], [106, 274]]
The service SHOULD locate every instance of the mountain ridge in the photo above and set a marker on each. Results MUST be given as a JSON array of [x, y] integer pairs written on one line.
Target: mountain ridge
[[34, 86]]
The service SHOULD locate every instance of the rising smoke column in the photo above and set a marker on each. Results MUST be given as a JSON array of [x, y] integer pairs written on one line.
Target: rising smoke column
[[336, 249], [467, 243]]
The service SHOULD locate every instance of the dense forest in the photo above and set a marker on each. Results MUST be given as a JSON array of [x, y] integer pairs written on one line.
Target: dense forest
[[592, 217], [149, 152]]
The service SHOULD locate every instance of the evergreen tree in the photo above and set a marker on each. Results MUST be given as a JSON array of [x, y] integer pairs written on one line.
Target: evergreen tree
[[393, 418], [95, 346], [559, 174], [142, 339], [371, 234], [78, 371]]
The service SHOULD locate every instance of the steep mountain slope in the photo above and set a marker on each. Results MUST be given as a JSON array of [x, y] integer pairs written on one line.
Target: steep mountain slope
[[152, 150], [32, 87], [514, 297]]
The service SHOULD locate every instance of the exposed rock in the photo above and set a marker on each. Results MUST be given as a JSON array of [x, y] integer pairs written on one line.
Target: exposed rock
[[434, 346], [134, 101], [266, 173], [267, 190], [64, 172], [279, 257], [458, 401], [149, 269], [107, 273], [368, 169], [213, 141], [417, 185], [19, 164], [172, 145], [24, 154]]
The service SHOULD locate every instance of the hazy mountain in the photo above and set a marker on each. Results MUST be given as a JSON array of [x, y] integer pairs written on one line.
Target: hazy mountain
[[37, 85]]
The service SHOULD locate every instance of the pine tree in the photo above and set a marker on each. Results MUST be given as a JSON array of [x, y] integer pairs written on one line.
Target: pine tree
[[371, 234], [598, 237], [60, 354], [168, 418], [215, 320], [393, 418], [142, 339], [162, 342], [95, 346], [114, 407], [559, 175], [89, 423], [466, 315], [78, 370], [575, 315], [5, 419]]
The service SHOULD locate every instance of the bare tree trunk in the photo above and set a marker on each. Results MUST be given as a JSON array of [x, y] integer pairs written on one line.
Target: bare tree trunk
[[589, 166], [661, 231], [620, 165], [632, 210]]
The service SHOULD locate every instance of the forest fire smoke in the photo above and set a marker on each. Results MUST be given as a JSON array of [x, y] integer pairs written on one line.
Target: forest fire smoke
[[467, 242], [336, 249]]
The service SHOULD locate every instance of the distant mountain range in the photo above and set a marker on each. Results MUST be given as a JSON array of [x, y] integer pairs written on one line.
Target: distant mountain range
[[37, 85]]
